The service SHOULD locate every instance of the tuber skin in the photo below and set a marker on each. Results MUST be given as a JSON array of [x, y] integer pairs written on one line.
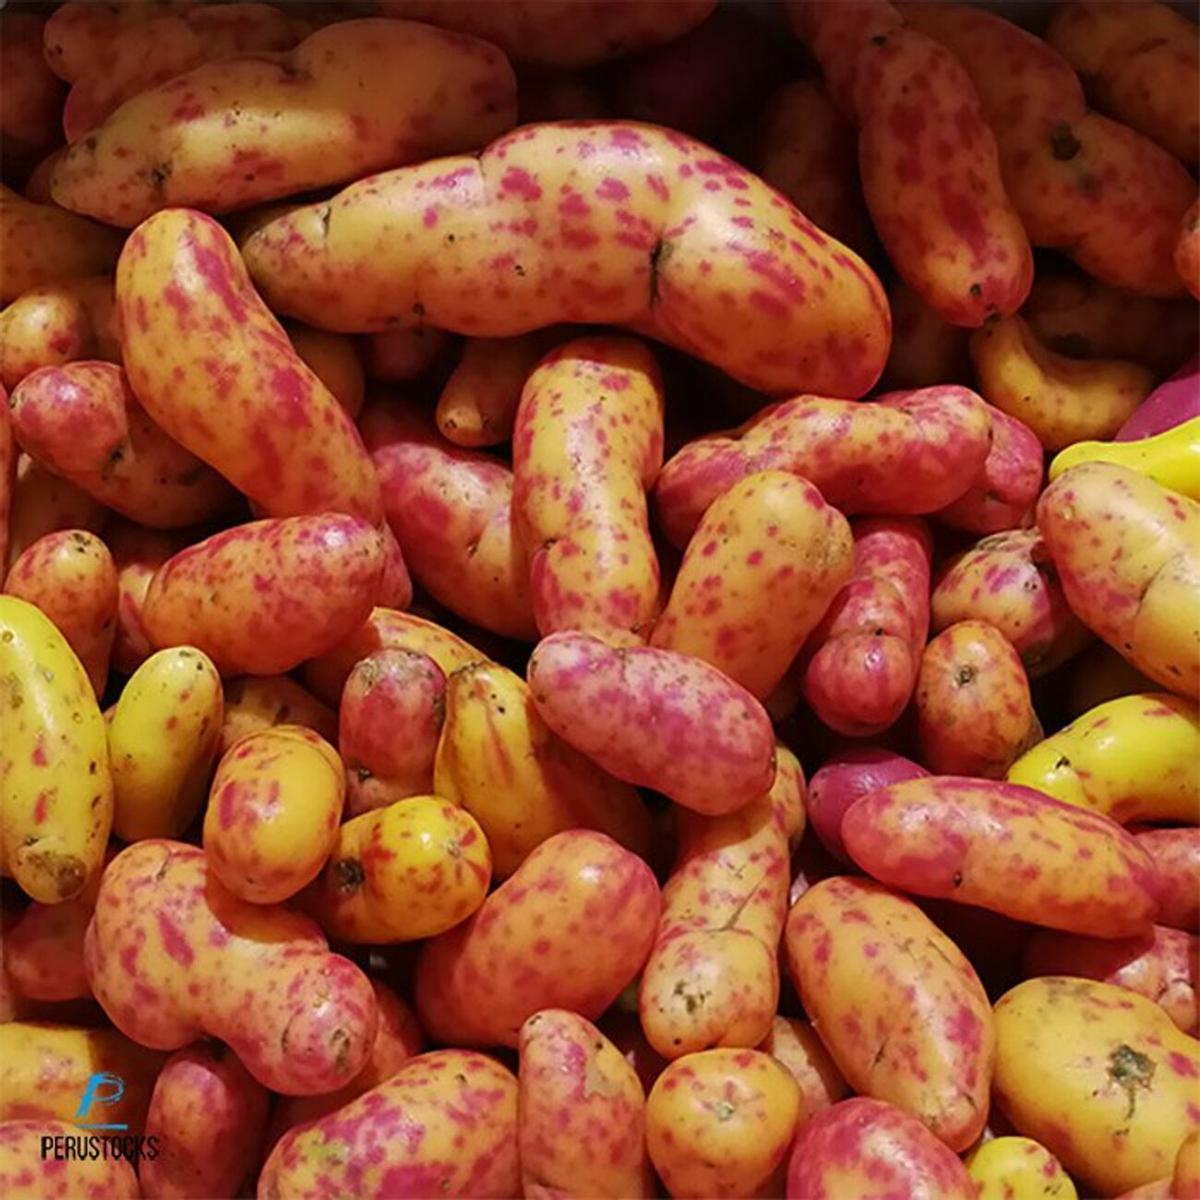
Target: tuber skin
[[643, 220]]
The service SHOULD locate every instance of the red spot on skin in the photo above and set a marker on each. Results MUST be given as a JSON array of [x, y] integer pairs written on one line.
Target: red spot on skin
[[768, 305], [519, 182], [249, 165], [227, 806], [129, 960], [574, 205], [293, 396], [174, 943], [627, 139], [451, 179], [965, 1029], [217, 272], [178, 300], [269, 459], [430, 218], [768, 267], [39, 755], [963, 215], [612, 189], [824, 949], [1182, 1065], [579, 239], [41, 808], [188, 109]]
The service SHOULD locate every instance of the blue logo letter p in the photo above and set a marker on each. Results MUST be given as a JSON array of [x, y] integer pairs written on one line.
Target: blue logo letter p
[[101, 1088]]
